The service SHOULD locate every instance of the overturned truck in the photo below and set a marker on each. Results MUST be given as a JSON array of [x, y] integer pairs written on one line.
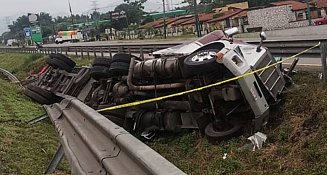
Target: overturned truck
[[219, 112]]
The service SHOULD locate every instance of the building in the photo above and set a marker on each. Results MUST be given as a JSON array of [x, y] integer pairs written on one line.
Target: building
[[188, 27], [279, 15], [321, 7], [241, 5], [299, 9], [232, 18]]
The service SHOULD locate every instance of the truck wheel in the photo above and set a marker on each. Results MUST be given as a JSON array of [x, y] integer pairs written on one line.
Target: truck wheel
[[101, 62], [99, 72], [227, 131], [119, 68], [200, 63], [40, 95], [123, 57], [56, 63], [63, 58], [45, 93], [36, 97]]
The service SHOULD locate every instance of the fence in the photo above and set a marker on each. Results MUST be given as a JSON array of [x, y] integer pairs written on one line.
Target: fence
[[277, 48]]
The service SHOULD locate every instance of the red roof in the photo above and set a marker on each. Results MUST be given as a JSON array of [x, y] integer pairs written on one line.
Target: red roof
[[295, 4], [321, 3], [169, 21], [202, 18], [180, 21], [226, 15], [151, 24], [242, 14]]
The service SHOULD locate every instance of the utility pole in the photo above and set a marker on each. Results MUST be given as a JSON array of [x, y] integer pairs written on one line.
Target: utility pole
[[164, 12], [71, 12], [197, 21], [309, 12], [95, 8]]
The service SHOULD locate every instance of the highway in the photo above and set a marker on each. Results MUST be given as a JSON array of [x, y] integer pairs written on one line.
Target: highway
[[177, 41]]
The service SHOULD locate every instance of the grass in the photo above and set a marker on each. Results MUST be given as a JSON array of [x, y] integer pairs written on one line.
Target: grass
[[297, 137], [23, 65], [24, 149], [297, 140]]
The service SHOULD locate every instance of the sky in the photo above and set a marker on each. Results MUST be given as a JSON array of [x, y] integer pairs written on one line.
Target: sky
[[11, 9]]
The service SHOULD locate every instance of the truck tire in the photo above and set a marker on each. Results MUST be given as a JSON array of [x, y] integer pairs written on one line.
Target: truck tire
[[215, 136], [119, 68], [63, 58], [56, 63], [43, 92], [36, 97], [200, 63], [99, 72], [123, 57], [101, 62]]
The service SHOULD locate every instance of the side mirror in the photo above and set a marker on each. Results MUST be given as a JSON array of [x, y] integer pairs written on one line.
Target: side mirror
[[232, 31], [263, 36]]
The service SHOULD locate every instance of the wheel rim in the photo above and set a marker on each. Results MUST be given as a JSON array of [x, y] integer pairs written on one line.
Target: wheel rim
[[203, 56]]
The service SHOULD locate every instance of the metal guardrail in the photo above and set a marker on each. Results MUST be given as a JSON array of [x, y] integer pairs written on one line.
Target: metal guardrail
[[277, 48], [95, 145], [10, 76]]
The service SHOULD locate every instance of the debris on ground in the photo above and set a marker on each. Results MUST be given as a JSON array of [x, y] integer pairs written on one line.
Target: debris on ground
[[257, 140]]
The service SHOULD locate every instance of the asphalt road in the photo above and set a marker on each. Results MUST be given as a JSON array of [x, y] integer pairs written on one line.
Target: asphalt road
[[302, 33]]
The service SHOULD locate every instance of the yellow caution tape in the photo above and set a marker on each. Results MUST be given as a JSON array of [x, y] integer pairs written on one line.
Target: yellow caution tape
[[204, 87]]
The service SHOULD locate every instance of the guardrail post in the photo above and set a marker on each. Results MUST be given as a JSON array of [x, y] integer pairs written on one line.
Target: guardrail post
[[55, 160], [67, 51], [120, 49], [88, 52], [76, 51], [141, 53], [101, 50], [94, 52], [323, 48], [82, 53], [110, 53], [129, 50]]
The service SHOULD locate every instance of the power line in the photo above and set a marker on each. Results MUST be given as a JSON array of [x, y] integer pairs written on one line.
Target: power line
[[95, 5]]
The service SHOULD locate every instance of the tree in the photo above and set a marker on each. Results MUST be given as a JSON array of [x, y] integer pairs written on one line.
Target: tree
[[147, 19], [46, 31], [17, 28], [134, 14], [136, 3], [45, 19]]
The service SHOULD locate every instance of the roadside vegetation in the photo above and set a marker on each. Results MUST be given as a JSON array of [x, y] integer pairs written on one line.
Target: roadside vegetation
[[296, 144], [297, 137], [24, 149]]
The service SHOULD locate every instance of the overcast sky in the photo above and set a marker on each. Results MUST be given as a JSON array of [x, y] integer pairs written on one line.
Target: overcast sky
[[11, 9]]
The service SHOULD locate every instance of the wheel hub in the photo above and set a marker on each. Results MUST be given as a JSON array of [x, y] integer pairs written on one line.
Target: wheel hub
[[203, 56]]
